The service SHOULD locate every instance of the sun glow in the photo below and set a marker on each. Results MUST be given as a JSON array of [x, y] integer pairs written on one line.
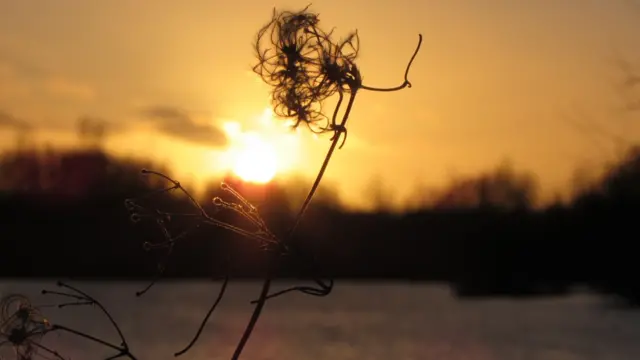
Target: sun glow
[[260, 154], [256, 161]]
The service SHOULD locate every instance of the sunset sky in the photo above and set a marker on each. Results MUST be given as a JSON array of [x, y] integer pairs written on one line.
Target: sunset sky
[[533, 82]]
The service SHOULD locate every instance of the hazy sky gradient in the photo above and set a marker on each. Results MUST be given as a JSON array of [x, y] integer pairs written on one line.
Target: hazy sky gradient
[[494, 80]]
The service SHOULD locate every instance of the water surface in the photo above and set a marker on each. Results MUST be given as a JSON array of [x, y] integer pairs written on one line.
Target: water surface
[[377, 321]]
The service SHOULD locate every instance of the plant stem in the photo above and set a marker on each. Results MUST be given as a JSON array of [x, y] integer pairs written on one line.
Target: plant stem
[[268, 278], [124, 352]]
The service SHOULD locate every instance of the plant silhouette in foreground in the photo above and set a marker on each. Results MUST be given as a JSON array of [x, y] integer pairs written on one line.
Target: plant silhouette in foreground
[[22, 325], [304, 66]]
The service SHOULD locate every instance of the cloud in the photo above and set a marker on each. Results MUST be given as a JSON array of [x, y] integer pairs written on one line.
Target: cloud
[[180, 124], [9, 121]]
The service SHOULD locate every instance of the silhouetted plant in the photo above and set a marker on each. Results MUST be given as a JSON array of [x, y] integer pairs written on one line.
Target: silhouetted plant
[[22, 325], [304, 65]]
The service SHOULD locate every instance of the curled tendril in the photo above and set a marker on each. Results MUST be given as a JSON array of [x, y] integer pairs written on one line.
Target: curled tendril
[[337, 70], [283, 46]]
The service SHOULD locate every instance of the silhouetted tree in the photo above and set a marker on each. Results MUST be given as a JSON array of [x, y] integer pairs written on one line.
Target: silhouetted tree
[[379, 197], [501, 188], [622, 181], [91, 131]]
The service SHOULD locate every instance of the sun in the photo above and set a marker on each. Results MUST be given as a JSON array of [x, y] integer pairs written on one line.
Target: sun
[[255, 160], [259, 149]]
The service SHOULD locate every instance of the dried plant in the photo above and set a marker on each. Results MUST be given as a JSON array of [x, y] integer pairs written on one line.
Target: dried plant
[[23, 325], [302, 60], [304, 66]]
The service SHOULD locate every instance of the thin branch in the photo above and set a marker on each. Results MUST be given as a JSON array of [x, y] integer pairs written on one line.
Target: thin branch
[[266, 285], [323, 291], [178, 186], [406, 82], [56, 327], [324, 166], [86, 299], [102, 308], [50, 351], [223, 288], [165, 263]]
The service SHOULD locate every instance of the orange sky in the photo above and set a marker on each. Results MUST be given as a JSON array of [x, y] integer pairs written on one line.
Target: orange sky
[[494, 80]]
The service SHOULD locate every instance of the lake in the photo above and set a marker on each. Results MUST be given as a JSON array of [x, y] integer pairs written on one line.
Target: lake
[[377, 321]]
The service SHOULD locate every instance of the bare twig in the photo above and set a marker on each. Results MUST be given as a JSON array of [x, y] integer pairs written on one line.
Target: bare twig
[[82, 298], [223, 288]]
